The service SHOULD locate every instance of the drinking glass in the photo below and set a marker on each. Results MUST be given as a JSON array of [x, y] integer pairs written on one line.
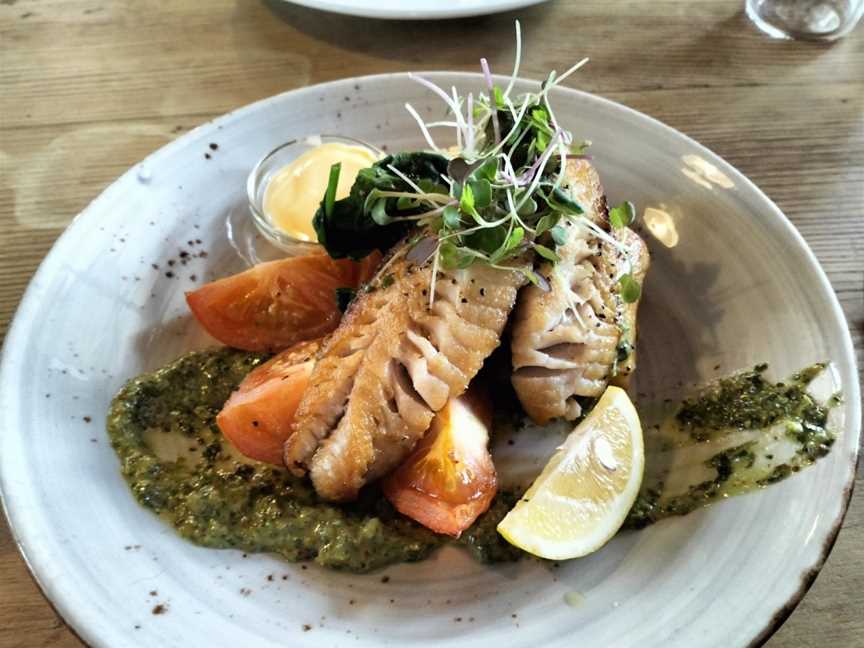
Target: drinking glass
[[805, 19]]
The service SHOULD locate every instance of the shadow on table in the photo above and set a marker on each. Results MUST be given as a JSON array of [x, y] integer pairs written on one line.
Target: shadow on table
[[415, 42]]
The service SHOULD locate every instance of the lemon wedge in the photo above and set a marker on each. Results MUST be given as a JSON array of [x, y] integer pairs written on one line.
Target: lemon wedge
[[584, 493]]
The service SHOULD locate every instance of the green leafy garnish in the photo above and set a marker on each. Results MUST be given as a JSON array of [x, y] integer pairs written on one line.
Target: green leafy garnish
[[515, 238], [558, 234], [452, 217], [488, 170], [546, 253], [542, 131], [630, 290], [562, 201], [546, 223], [466, 202], [510, 245], [482, 191], [579, 148], [379, 211], [355, 226], [332, 185], [503, 202], [623, 215], [499, 98], [487, 240]]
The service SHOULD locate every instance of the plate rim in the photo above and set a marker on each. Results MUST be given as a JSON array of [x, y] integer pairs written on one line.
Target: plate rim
[[476, 8], [17, 327]]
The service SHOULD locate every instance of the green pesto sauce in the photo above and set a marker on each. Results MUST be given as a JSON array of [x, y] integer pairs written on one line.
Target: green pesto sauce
[[748, 401], [744, 402], [176, 462], [173, 456]]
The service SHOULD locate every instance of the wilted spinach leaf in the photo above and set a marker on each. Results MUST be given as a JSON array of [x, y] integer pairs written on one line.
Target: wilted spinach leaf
[[348, 229]]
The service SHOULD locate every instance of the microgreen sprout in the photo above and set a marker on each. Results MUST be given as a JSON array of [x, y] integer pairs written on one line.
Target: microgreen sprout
[[623, 215], [501, 201], [630, 289], [505, 205]]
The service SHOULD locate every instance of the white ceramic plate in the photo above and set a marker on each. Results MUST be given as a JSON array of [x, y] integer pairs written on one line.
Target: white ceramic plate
[[415, 9], [738, 286]]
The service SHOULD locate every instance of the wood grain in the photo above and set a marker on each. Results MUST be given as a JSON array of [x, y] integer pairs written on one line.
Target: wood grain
[[92, 86]]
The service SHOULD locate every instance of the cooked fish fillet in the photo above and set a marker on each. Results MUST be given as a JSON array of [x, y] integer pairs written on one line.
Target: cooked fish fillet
[[637, 252], [565, 341], [389, 366]]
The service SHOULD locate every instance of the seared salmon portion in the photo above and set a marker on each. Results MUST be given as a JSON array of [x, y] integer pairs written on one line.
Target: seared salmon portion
[[566, 341], [392, 363]]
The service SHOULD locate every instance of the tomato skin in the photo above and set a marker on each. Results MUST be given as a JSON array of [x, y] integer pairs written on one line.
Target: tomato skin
[[449, 479], [257, 417], [279, 303]]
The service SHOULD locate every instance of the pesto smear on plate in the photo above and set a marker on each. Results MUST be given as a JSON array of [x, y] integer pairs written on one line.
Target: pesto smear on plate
[[176, 462], [738, 435]]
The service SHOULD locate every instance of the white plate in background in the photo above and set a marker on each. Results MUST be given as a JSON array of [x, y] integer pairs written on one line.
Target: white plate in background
[[415, 9]]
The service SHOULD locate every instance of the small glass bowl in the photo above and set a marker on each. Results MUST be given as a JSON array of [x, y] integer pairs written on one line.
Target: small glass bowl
[[270, 165]]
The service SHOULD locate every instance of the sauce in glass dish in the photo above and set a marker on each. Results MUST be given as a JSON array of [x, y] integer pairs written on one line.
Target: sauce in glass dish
[[294, 192]]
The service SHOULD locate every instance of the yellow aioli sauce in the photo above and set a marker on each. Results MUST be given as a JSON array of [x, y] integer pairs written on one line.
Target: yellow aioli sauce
[[295, 191]]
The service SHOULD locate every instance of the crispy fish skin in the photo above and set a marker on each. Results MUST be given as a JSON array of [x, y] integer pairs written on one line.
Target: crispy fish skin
[[390, 365], [565, 341]]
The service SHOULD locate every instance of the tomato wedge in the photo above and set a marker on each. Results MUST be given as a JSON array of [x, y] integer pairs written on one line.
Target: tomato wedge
[[449, 479], [278, 303], [257, 417]]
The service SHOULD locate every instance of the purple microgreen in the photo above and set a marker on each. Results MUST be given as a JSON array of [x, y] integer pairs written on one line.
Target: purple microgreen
[[459, 169], [536, 278], [422, 250], [495, 92], [497, 209], [487, 74]]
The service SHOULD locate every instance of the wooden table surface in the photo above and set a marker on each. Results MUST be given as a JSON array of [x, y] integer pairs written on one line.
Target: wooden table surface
[[89, 87]]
